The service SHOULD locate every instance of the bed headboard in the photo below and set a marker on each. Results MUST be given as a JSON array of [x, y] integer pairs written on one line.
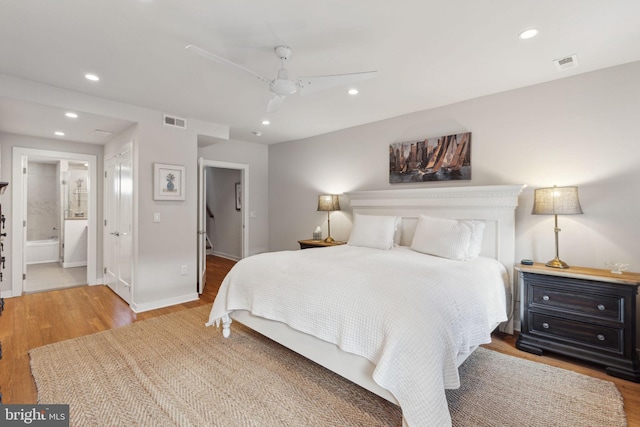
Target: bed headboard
[[493, 204]]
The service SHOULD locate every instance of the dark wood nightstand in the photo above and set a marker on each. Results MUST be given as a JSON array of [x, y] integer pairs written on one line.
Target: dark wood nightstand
[[306, 244], [586, 313]]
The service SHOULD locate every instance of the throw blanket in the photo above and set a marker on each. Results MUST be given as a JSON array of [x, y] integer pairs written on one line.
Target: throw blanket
[[409, 313]]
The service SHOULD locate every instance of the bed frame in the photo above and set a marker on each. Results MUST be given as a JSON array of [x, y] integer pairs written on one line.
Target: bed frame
[[494, 204]]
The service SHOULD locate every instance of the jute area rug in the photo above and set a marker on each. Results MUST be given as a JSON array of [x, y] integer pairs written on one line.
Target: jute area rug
[[172, 370]]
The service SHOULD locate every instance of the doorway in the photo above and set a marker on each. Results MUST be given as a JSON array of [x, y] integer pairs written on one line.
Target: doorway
[[74, 220], [239, 191]]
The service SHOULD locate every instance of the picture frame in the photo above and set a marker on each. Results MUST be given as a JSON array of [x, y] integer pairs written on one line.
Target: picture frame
[[169, 182], [238, 196], [444, 158]]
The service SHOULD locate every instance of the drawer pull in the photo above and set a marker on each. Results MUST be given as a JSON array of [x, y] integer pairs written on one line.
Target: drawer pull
[[545, 325], [545, 297], [600, 337], [601, 307]]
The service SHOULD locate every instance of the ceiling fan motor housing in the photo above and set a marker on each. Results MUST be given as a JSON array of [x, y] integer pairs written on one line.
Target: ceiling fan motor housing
[[283, 52], [283, 87]]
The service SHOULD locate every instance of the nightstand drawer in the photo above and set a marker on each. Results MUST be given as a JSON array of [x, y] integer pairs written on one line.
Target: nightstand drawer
[[583, 333], [605, 307]]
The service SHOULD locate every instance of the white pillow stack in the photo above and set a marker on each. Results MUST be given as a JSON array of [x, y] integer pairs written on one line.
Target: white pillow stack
[[448, 238]]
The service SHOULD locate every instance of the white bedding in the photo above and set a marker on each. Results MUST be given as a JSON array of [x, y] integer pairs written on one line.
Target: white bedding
[[409, 313]]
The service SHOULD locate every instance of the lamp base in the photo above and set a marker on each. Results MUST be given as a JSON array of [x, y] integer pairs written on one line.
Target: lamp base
[[329, 240], [556, 263]]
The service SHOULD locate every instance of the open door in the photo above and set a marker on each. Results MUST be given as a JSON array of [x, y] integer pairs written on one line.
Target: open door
[[202, 212], [202, 229]]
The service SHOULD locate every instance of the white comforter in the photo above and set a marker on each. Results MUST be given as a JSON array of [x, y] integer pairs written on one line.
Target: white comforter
[[410, 314]]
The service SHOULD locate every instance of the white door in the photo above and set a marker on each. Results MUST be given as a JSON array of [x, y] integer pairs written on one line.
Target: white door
[[202, 227], [118, 230]]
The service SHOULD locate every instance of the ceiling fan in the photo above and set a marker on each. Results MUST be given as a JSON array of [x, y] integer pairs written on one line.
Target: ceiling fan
[[282, 85]]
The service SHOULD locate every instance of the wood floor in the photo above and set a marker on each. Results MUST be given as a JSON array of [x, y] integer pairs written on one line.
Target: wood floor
[[34, 320]]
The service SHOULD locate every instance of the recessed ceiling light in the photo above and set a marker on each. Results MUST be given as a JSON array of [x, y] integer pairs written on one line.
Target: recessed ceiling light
[[59, 133], [352, 91], [527, 34], [91, 77], [71, 115], [266, 122]]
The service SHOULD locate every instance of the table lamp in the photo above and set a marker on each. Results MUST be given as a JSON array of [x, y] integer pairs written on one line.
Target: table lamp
[[556, 201], [328, 202]]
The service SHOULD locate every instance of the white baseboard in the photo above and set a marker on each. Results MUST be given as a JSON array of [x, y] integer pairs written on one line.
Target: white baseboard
[[516, 325], [227, 256], [6, 294], [74, 264], [139, 308]]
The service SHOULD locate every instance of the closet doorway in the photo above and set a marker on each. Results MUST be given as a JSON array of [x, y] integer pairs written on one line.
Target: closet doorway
[[53, 237]]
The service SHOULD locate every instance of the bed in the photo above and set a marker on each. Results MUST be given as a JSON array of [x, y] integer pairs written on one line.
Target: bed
[[383, 311]]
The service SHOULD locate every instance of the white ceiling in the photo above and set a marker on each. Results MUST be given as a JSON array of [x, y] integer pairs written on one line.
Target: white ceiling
[[428, 53]]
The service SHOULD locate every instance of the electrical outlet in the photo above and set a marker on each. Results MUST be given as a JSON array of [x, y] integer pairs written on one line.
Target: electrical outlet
[[156, 217], [183, 270]]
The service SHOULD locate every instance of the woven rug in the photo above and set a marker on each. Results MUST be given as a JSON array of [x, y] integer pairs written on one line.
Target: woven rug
[[172, 370]]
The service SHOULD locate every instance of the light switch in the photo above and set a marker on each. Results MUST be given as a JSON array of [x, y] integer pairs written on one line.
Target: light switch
[[156, 217]]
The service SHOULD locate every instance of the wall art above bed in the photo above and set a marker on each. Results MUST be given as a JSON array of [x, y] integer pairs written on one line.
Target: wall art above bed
[[444, 158]]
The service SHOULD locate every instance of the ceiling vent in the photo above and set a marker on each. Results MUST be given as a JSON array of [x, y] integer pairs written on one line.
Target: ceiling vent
[[176, 122], [566, 63], [102, 133]]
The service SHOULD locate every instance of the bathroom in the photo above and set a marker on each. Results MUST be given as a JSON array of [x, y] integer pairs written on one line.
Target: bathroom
[[57, 227]]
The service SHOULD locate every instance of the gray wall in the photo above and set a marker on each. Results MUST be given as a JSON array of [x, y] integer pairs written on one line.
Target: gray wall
[[580, 130], [160, 249], [256, 157]]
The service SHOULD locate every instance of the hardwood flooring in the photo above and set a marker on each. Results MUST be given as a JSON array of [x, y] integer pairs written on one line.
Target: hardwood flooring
[[34, 320]]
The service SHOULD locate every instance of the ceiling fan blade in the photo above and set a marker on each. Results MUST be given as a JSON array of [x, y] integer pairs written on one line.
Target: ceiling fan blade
[[208, 55], [275, 103], [315, 83]]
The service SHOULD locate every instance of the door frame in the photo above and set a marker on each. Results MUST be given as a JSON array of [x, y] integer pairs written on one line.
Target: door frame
[[18, 209], [202, 214]]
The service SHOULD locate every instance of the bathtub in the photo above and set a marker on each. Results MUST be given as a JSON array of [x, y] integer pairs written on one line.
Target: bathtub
[[41, 251]]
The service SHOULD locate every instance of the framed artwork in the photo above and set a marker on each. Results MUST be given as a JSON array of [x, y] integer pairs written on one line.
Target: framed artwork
[[168, 182], [238, 196], [443, 158]]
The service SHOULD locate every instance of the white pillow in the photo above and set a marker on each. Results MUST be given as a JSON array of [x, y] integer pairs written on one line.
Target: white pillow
[[397, 235], [477, 232], [373, 231], [447, 238]]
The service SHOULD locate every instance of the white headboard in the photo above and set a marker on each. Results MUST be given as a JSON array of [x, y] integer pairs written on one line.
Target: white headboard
[[493, 204]]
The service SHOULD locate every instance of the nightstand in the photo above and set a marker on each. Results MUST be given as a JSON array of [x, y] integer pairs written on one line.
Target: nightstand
[[306, 244], [581, 312]]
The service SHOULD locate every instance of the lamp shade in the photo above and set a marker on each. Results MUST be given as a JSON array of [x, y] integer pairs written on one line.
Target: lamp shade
[[328, 202], [556, 201]]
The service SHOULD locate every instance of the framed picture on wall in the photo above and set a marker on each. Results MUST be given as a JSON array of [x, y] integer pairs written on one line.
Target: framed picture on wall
[[445, 158], [168, 182], [238, 196]]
